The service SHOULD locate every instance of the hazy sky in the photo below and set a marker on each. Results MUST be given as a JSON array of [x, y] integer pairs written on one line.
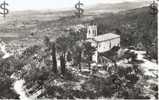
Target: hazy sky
[[55, 4]]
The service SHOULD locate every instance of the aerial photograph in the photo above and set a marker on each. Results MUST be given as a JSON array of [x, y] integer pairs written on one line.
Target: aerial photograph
[[79, 49]]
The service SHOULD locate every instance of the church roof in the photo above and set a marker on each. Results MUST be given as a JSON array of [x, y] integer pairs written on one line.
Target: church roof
[[105, 37]]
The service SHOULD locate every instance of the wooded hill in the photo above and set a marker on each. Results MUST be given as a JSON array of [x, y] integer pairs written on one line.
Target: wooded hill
[[135, 26]]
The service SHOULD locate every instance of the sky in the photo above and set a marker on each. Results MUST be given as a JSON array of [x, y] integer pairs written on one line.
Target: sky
[[55, 4]]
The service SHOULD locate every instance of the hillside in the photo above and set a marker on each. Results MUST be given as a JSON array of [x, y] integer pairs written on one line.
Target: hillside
[[21, 24], [134, 24]]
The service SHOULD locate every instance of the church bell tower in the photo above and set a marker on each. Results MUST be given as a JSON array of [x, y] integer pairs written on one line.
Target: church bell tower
[[91, 31]]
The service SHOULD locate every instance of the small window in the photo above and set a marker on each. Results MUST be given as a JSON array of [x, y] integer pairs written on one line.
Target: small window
[[99, 45], [89, 32], [94, 32], [110, 45]]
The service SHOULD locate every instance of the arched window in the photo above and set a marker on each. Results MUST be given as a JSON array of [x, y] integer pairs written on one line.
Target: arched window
[[94, 32], [89, 31], [110, 45], [99, 45]]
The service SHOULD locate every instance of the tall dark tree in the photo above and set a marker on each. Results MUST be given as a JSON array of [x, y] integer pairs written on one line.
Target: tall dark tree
[[63, 63], [77, 55], [53, 54], [62, 48], [51, 50], [89, 50]]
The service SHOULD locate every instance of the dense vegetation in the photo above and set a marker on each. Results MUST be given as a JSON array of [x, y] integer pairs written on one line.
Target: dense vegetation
[[71, 82], [8, 67]]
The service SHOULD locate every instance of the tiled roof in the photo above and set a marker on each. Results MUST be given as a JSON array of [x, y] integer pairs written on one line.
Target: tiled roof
[[105, 37]]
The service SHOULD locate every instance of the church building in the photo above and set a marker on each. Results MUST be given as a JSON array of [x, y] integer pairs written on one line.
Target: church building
[[103, 42]]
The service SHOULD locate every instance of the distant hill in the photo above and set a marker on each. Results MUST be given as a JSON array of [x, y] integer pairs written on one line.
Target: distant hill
[[100, 8], [139, 20]]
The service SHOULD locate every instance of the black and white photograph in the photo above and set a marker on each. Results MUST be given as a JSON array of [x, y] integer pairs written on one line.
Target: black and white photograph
[[79, 49]]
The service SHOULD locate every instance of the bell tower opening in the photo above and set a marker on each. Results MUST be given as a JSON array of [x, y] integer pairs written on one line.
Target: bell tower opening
[[91, 31]]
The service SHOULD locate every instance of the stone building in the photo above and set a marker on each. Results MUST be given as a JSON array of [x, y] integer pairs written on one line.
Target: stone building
[[103, 42]]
